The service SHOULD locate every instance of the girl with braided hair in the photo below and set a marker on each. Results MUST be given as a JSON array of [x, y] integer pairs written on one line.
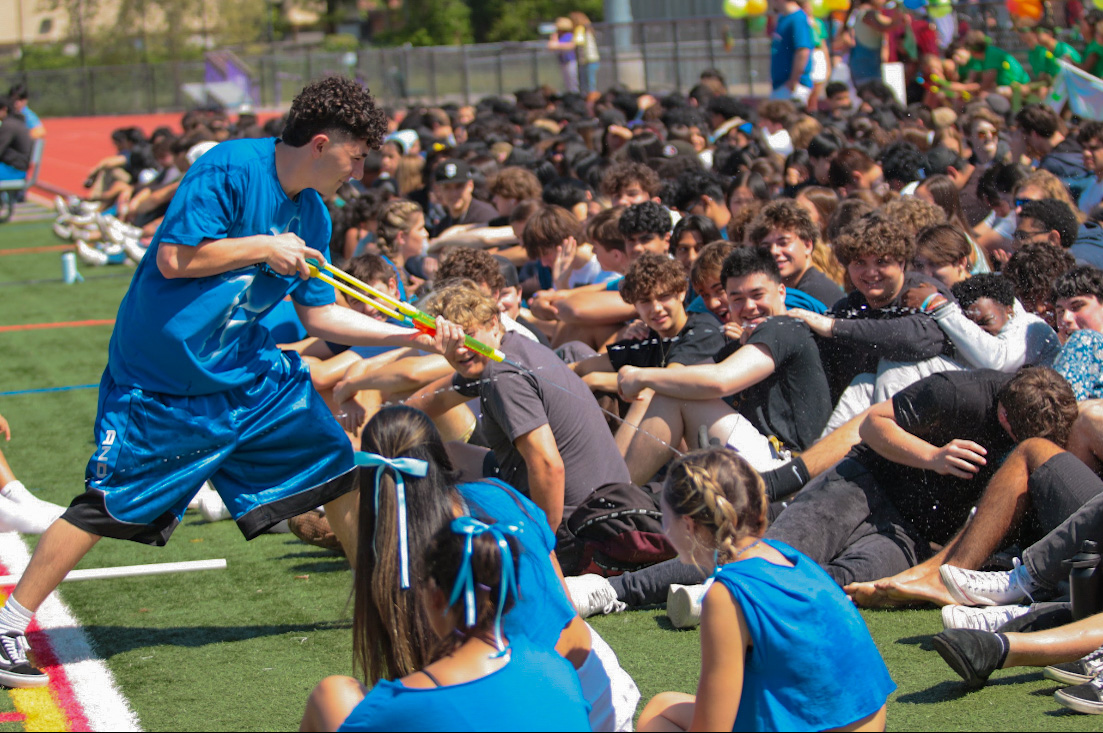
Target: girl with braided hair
[[408, 492], [477, 677], [782, 648]]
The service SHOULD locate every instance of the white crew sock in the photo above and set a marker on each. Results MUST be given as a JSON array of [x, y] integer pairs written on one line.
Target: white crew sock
[[32, 517], [17, 492], [13, 617]]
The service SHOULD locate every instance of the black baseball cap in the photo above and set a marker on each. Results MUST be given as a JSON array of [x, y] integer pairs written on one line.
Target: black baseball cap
[[452, 170]]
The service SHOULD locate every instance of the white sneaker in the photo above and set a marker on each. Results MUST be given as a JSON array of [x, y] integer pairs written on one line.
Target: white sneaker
[[134, 249], [213, 508], [63, 230], [592, 594], [988, 618], [978, 588], [62, 208], [204, 490], [683, 605], [27, 518], [89, 255], [1082, 670]]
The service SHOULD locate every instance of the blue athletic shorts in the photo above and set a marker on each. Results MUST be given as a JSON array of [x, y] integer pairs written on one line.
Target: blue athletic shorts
[[272, 450]]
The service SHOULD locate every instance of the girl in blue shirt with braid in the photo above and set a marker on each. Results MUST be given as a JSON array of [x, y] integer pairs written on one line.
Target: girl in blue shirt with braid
[[782, 648]]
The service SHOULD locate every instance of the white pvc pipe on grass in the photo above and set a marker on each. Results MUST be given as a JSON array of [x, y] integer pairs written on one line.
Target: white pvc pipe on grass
[[129, 571]]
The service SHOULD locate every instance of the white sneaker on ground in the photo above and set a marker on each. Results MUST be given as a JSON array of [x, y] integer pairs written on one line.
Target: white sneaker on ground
[[134, 249], [204, 490], [978, 588], [592, 594], [63, 230], [1082, 670], [89, 255], [987, 618], [213, 508], [683, 605]]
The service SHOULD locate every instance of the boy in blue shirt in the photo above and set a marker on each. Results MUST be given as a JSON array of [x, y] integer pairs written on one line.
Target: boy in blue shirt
[[791, 55], [195, 388]]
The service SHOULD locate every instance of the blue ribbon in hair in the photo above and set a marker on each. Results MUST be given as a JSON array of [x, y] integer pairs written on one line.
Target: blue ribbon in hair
[[465, 581], [413, 467]]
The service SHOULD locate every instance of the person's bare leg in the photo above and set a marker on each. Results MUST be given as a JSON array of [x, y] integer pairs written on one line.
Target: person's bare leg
[[62, 546], [1000, 509], [6, 474], [342, 514], [645, 454], [456, 424], [1086, 440], [668, 711], [833, 448], [636, 412], [330, 703], [1063, 644]]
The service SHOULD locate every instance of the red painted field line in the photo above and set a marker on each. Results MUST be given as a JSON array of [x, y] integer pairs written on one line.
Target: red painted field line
[[62, 324], [32, 250], [12, 717]]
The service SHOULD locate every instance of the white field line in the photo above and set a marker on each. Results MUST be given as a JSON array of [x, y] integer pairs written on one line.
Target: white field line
[[92, 682]]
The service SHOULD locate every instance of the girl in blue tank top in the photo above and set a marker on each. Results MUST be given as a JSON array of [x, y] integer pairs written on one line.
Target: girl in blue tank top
[[782, 647], [480, 678]]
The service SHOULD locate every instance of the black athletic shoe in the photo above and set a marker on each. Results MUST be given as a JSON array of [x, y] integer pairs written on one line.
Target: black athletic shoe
[[1085, 698], [1082, 670], [15, 670], [972, 654]]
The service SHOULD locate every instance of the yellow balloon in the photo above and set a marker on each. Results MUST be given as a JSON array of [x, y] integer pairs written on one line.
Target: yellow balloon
[[1098, 4], [821, 8], [841, 6], [756, 7], [735, 8]]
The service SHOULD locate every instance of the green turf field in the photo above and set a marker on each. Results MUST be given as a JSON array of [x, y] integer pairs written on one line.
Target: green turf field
[[239, 649]]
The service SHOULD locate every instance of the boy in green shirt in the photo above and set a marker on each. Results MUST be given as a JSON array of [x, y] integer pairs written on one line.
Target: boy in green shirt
[[990, 67], [1047, 50]]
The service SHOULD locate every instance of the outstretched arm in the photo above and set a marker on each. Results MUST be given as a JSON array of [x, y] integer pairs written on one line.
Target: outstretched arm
[[747, 366]]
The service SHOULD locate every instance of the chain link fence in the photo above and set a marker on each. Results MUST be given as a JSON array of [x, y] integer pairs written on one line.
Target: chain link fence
[[657, 55]]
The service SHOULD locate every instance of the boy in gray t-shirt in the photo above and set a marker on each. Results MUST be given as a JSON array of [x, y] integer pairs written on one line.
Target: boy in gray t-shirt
[[544, 426]]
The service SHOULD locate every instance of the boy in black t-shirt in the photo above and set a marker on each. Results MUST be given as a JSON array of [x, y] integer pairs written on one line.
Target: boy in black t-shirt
[[785, 231], [656, 286], [777, 387]]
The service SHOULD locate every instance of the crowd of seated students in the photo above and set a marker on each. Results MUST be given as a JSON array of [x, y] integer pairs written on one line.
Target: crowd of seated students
[[894, 334], [888, 345]]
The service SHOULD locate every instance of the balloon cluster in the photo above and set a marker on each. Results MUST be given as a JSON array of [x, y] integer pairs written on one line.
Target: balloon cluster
[[824, 8], [1031, 9]]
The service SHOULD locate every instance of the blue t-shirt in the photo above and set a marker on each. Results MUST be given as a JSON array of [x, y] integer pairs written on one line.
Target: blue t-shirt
[[536, 690], [614, 284], [543, 609], [195, 336], [812, 663], [792, 33]]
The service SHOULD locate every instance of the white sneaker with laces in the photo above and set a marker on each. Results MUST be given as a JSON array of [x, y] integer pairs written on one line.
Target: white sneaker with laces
[[978, 588], [15, 670], [683, 604], [987, 618], [62, 230], [204, 490], [592, 594], [1082, 670]]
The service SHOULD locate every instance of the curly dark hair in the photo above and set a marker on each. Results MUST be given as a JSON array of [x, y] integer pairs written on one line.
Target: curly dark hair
[[620, 176], [471, 264], [784, 214], [334, 104], [1034, 268], [875, 234], [914, 213], [652, 275], [1083, 280], [1053, 214], [902, 162], [692, 185], [989, 285], [646, 217], [1039, 119]]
